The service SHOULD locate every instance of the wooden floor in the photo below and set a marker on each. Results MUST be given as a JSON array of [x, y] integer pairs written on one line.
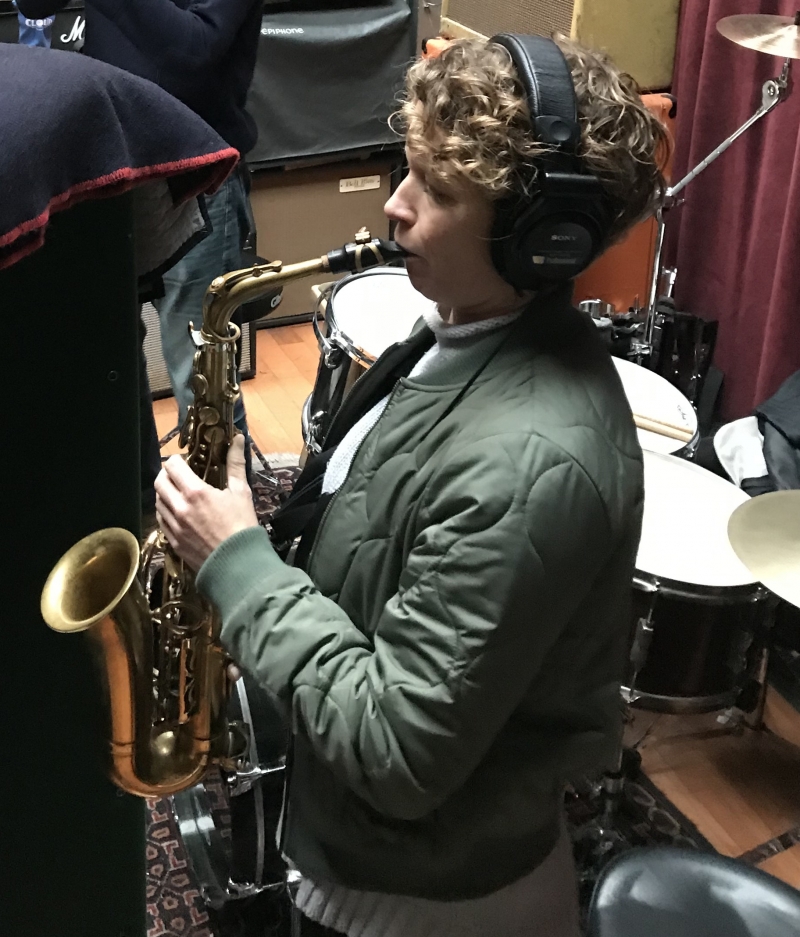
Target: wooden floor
[[740, 789], [286, 366]]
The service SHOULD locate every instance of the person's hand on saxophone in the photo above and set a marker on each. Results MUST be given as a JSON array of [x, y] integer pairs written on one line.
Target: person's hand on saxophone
[[195, 517]]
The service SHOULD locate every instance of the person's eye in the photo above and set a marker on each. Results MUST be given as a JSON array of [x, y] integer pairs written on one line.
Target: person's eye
[[437, 194]]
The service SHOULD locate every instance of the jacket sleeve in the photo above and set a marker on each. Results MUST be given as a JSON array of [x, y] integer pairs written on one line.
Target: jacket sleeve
[[38, 9], [490, 582], [193, 35]]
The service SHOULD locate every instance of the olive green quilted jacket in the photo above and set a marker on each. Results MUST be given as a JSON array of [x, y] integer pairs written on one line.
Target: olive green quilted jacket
[[455, 652]]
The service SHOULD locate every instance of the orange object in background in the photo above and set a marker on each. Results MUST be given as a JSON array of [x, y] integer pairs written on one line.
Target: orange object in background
[[431, 48], [622, 275]]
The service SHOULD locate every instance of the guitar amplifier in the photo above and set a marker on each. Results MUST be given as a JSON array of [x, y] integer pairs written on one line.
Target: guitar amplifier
[[639, 36], [157, 372]]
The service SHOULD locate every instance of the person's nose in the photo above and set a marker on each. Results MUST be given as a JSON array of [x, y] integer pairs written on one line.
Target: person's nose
[[399, 207]]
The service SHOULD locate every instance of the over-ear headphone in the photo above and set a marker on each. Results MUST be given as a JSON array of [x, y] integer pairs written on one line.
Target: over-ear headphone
[[554, 232]]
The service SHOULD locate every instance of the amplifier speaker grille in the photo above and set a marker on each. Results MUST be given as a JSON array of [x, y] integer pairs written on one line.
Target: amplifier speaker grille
[[639, 35], [519, 16], [157, 372]]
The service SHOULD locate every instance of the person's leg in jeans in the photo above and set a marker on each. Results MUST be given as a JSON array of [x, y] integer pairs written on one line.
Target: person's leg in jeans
[[149, 450], [186, 283]]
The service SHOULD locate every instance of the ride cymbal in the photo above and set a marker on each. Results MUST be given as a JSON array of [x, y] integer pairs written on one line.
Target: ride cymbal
[[777, 35], [765, 534]]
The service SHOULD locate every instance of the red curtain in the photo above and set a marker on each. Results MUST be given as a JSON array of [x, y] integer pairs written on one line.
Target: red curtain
[[736, 239]]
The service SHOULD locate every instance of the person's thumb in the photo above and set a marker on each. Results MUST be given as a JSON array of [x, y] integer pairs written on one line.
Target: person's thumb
[[237, 474]]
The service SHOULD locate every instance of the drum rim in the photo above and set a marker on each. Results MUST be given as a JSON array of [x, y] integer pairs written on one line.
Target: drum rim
[[738, 594], [348, 346]]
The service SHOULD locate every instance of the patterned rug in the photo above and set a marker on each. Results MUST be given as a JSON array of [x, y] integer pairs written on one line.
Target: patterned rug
[[175, 906]]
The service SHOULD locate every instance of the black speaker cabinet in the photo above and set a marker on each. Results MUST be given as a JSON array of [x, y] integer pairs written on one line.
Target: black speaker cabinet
[[327, 77], [71, 844]]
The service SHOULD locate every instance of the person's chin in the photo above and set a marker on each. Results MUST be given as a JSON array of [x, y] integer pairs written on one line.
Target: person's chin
[[415, 268]]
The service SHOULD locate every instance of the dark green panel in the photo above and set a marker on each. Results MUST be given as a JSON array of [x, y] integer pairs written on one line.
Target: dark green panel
[[71, 845]]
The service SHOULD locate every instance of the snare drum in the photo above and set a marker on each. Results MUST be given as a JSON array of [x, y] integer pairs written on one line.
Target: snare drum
[[366, 313], [698, 614], [229, 822], [653, 396]]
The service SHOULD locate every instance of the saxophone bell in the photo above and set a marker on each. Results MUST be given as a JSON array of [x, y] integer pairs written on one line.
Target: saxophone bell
[[157, 637]]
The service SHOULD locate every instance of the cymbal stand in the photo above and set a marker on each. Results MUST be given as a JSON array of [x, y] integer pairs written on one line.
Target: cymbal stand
[[599, 838], [773, 92]]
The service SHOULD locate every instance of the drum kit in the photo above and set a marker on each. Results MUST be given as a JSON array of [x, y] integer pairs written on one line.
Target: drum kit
[[712, 563]]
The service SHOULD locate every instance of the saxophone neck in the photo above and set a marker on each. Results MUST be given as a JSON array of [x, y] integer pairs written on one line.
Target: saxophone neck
[[231, 290]]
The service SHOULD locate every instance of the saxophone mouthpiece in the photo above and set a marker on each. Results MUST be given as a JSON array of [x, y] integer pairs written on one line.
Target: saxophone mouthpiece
[[363, 253]]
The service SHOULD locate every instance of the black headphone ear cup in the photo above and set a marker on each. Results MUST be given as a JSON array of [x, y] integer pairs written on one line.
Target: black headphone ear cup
[[547, 239]]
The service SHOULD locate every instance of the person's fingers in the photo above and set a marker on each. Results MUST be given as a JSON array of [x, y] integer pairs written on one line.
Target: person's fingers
[[166, 528], [237, 474], [181, 476], [166, 520], [167, 495]]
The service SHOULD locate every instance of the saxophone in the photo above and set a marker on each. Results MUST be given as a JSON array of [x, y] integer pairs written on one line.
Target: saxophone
[[156, 637]]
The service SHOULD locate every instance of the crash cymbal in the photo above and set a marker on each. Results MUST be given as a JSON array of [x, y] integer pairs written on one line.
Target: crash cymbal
[[765, 534], [777, 35]]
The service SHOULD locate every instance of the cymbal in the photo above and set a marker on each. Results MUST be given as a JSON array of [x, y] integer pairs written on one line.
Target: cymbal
[[777, 35], [765, 534]]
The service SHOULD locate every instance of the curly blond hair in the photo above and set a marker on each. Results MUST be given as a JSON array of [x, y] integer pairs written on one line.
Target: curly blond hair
[[466, 119]]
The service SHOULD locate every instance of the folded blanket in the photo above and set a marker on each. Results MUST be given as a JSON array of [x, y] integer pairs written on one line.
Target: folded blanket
[[74, 128]]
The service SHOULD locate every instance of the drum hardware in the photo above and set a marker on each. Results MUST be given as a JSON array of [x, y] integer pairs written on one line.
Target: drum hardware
[[703, 645], [640, 646], [683, 348], [246, 862], [598, 309], [776, 35]]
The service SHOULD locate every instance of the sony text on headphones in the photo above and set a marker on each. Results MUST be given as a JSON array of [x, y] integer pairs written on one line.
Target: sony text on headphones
[[555, 232]]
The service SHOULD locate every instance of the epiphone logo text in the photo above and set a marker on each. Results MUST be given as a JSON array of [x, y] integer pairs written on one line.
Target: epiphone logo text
[[282, 30]]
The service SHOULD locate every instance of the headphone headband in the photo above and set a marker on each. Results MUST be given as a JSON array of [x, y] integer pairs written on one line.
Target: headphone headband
[[550, 234], [547, 81]]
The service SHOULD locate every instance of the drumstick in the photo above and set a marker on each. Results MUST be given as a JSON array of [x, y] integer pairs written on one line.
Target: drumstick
[[663, 428]]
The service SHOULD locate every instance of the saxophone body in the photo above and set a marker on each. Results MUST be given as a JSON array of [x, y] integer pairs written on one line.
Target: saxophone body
[[155, 636]]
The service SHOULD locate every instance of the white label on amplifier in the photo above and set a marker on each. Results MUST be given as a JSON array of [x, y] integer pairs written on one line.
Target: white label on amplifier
[[359, 183]]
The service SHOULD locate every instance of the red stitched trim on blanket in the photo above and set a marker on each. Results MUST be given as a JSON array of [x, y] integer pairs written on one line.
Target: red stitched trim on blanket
[[112, 184]]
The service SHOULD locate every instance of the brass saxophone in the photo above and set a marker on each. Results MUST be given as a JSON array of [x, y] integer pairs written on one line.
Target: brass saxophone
[[157, 638]]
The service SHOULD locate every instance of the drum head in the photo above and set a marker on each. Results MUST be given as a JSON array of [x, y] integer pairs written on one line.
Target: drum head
[[651, 395], [372, 311], [685, 527]]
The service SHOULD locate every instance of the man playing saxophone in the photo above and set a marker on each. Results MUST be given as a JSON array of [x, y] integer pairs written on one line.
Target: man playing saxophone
[[449, 644]]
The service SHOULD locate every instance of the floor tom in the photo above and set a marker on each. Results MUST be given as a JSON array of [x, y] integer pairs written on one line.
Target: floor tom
[[698, 615]]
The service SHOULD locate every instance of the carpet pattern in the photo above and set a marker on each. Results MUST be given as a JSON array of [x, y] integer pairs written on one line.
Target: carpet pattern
[[175, 906]]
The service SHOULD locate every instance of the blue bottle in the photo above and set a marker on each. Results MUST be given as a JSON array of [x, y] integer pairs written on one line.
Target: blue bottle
[[35, 32]]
